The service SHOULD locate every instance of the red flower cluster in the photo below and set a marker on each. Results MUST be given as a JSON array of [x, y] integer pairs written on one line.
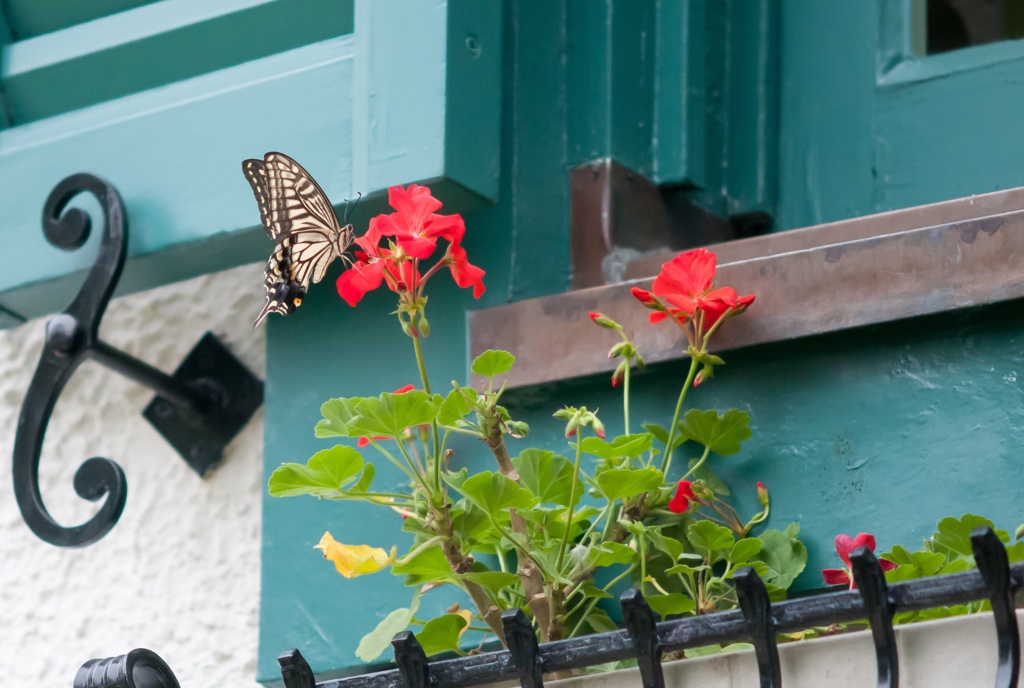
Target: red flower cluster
[[683, 291], [844, 545], [412, 232]]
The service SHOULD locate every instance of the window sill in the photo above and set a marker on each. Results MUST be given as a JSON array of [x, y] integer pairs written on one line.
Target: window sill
[[827, 278]]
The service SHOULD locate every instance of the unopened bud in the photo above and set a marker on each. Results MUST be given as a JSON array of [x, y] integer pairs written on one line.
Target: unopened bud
[[642, 295], [424, 326], [762, 494], [604, 321]]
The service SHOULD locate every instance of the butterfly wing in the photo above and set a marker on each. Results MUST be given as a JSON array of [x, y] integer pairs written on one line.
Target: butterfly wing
[[297, 214]]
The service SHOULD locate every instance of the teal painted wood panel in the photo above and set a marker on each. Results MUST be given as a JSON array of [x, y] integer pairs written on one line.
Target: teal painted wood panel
[[174, 152], [157, 44], [882, 429], [31, 17], [954, 133]]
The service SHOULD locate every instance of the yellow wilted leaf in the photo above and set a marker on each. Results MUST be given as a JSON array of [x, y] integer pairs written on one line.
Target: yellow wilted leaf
[[354, 560]]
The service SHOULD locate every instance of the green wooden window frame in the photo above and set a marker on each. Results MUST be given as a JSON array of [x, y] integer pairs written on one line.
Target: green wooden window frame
[[362, 110]]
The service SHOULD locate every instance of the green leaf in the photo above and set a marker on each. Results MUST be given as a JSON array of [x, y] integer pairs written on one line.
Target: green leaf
[[592, 591], [607, 554], [493, 362], [548, 476], [441, 634], [687, 569], [495, 581], [1015, 552], [428, 566], [390, 414], [669, 545], [955, 534], [712, 541], [600, 622], [783, 556], [743, 550], [709, 478], [674, 603], [622, 446], [659, 433], [326, 474], [620, 483], [376, 641], [494, 492], [454, 408], [336, 415], [455, 479], [722, 433]]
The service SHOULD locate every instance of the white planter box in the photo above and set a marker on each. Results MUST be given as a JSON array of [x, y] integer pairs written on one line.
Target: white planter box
[[953, 653]]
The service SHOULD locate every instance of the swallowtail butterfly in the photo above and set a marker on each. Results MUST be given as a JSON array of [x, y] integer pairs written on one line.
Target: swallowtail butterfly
[[299, 217]]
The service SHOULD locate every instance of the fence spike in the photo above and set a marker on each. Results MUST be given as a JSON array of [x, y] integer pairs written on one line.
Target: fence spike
[[523, 648], [643, 631], [870, 580], [411, 660], [295, 671], [757, 612], [990, 556]]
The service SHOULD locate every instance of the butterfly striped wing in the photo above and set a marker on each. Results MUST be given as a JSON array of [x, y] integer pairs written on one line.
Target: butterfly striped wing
[[297, 214]]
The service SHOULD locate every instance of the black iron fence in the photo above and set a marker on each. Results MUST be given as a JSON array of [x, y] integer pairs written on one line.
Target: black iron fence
[[757, 621]]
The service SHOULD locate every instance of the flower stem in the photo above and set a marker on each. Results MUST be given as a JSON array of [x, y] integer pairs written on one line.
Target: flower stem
[[625, 397], [666, 462], [433, 423], [572, 502], [703, 458]]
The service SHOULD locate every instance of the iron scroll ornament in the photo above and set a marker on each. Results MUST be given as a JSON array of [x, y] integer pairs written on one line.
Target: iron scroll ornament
[[198, 409]]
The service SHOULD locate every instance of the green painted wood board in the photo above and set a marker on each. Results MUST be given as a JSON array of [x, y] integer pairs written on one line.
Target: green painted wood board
[[31, 18], [157, 44], [174, 152]]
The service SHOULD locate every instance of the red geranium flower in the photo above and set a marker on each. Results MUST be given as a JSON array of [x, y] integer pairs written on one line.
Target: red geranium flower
[[681, 501], [844, 545], [464, 274], [414, 225], [685, 282]]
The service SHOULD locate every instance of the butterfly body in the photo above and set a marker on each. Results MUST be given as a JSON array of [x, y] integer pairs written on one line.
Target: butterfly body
[[299, 218]]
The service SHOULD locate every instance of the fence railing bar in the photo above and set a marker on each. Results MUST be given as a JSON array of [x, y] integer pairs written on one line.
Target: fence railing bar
[[411, 660], [295, 671], [643, 631], [757, 612], [680, 634], [990, 556], [870, 580], [523, 648]]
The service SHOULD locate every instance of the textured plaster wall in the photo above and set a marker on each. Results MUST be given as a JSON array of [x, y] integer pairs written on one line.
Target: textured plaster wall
[[179, 574]]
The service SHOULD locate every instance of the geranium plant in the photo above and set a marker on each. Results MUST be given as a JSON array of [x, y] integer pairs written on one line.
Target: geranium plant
[[560, 531]]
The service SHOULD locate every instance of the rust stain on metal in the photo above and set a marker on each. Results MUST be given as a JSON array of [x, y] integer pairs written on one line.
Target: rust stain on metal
[[800, 292]]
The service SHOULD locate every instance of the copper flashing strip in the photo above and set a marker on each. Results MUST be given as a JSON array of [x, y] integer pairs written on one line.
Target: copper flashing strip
[[824, 279]]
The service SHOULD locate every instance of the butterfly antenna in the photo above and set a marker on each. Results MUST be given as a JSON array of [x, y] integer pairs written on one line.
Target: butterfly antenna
[[350, 206]]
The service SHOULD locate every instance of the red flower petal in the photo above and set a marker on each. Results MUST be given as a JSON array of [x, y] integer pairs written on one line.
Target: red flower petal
[[406, 388], [465, 274], [887, 565], [835, 577], [679, 505], [361, 278]]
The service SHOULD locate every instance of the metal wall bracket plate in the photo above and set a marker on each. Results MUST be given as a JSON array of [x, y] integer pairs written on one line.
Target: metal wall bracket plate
[[234, 394]]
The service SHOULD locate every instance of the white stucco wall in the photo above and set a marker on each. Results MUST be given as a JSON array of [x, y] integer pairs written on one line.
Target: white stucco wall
[[179, 574]]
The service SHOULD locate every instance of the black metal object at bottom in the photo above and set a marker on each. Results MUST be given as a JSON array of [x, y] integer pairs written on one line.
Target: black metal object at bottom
[[233, 395], [137, 669], [757, 621]]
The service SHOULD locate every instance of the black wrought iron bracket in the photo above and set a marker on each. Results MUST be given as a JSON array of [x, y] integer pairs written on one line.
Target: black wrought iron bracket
[[758, 621], [198, 409]]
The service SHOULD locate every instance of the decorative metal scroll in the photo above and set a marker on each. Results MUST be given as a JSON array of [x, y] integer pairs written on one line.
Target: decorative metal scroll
[[198, 409], [758, 621]]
